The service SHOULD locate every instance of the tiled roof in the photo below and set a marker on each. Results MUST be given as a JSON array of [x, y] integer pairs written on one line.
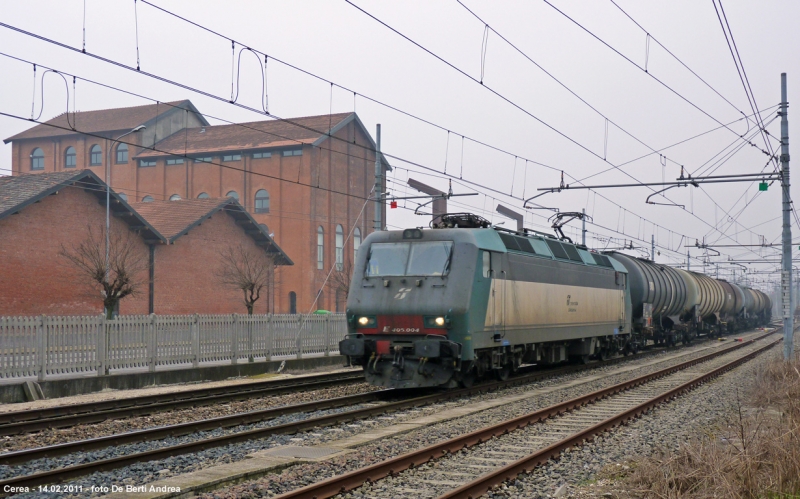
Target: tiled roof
[[17, 191], [244, 136], [174, 219], [102, 120], [171, 218]]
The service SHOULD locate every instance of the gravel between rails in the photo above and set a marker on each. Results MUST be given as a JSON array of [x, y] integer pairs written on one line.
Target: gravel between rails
[[438, 477], [303, 474], [54, 436], [307, 473]]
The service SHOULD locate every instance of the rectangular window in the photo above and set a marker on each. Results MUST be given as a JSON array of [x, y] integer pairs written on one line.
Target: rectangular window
[[175, 161], [412, 259], [232, 157], [146, 162], [261, 155], [207, 159], [293, 152]]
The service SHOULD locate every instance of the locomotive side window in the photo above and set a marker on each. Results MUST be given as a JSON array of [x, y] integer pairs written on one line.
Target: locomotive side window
[[487, 264], [419, 258]]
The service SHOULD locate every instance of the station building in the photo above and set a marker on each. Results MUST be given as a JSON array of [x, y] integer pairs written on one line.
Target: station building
[[305, 181]]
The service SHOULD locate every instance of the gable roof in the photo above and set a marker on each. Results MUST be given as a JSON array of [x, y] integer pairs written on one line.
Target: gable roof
[[174, 219], [308, 130], [241, 136], [19, 191], [104, 120]]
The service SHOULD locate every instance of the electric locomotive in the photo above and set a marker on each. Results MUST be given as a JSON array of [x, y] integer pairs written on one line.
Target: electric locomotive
[[447, 306]]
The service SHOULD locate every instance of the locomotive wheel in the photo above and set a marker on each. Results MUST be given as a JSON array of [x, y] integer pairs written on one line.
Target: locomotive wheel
[[503, 373], [468, 379]]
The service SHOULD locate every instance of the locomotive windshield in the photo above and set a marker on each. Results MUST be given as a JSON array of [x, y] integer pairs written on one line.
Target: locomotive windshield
[[417, 259]]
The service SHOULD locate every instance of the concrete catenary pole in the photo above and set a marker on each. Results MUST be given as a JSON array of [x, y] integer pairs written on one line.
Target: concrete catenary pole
[[653, 247], [583, 227], [786, 274], [378, 180]]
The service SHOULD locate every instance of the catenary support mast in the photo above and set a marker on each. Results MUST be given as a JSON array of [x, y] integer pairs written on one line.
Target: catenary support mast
[[786, 274], [378, 192]]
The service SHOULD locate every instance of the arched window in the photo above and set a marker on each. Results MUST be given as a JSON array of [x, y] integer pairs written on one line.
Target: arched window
[[175, 197], [232, 194], [202, 195], [339, 248], [95, 156], [37, 159], [122, 153], [320, 248], [70, 158], [147, 199], [292, 302], [123, 196], [262, 201], [356, 243]]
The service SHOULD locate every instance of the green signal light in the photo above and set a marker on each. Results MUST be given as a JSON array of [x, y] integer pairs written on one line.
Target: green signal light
[[763, 186]]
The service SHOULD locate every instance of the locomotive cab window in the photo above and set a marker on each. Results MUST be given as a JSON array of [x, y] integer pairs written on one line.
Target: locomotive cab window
[[430, 258]]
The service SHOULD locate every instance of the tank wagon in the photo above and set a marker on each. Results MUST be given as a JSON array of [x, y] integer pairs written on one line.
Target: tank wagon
[[447, 306]]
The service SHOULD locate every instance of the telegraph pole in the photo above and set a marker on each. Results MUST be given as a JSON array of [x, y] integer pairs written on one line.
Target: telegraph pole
[[786, 274], [378, 180]]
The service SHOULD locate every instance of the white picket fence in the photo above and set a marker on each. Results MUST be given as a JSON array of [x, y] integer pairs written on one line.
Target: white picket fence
[[44, 346]]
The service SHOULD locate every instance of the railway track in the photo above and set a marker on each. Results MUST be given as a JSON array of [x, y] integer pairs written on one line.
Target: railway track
[[21, 422], [372, 409], [470, 465]]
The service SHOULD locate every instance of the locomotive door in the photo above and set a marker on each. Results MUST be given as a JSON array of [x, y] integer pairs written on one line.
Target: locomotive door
[[498, 296]]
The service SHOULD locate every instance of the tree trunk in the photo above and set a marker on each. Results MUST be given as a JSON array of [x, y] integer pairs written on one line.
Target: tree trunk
[[110, 311]]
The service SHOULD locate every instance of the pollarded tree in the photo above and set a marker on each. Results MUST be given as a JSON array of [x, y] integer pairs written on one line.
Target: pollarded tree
[[248, 270], [119, 275]]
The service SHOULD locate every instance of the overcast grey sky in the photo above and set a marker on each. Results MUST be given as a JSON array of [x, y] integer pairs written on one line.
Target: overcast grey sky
[[519, 108]]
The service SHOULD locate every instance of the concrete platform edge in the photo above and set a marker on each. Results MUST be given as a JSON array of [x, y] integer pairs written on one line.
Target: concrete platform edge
[[57, 388]]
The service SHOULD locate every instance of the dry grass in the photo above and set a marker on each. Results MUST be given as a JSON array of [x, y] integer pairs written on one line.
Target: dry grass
[[757, 455]]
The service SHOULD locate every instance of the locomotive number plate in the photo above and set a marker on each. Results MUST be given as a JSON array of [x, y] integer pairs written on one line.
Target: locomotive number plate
[[389, 329]]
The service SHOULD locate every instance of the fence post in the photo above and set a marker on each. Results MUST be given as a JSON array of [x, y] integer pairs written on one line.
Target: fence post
[[299, 342], [152, 345], [41, 346], [195, 333], [268, 339], [102, 347], [327, 327], [250, 356], [235, 340]]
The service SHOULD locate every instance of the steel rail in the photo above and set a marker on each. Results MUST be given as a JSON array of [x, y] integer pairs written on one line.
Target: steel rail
[[62, 474], [485, 483], [354, 479], [19, 422]]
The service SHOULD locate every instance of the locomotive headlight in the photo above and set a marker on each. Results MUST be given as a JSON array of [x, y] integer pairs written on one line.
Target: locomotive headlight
[[436, 321], [366, 321], [439, 321]]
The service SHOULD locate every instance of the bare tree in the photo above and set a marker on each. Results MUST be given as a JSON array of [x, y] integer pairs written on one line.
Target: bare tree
[[247, 270], [124, 273], [340, 279]]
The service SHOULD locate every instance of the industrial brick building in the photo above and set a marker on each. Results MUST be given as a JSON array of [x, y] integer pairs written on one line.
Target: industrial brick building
[[41, 214], [305, 180]]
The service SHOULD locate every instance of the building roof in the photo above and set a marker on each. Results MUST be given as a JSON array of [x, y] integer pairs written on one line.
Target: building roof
[[174, 219], [308, 130], [103, 120], [242, 136], [19, 191]]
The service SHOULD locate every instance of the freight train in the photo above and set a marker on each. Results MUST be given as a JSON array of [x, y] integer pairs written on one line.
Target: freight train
[[452, 304]]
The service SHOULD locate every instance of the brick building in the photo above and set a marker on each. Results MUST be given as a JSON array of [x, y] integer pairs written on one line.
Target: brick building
[[306, 180], [41, 214]]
